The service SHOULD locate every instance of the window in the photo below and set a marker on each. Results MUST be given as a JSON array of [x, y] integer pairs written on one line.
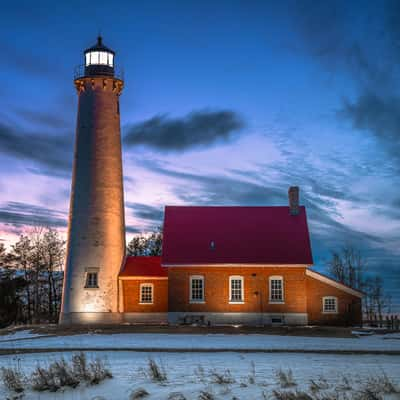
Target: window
[[91, 280], [329, 304], [103, 58], [197, 289], [110, 59], [276, 289], [146, 293], [236, 289]]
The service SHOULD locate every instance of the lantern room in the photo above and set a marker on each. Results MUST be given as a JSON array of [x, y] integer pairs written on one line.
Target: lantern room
[[99, 60]]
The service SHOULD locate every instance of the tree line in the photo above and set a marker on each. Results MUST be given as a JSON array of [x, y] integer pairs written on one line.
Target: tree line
[[31, 276]]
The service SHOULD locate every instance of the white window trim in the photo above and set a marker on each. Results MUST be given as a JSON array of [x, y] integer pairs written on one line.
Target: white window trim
[[152, 293], [196, 301], [276, 278], [232, 278], [336, 305]]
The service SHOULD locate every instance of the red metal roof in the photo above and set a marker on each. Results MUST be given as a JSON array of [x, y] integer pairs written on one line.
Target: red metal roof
[[240, 235], [143, 266]]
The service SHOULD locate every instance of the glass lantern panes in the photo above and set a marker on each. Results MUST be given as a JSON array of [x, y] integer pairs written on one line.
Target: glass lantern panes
[[99, 58]]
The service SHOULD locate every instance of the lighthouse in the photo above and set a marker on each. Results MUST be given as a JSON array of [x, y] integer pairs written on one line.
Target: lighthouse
[[96, 228]]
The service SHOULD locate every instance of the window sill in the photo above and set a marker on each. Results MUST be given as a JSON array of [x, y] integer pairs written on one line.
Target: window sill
[[276, 302], [197, 302], [146, 304], [329, 312], [236, 302]]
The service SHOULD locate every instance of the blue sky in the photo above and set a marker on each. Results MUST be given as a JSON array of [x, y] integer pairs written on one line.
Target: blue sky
[[226, 102]]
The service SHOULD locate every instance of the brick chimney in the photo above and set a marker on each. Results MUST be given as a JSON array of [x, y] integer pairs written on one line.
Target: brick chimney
[[294, 200]]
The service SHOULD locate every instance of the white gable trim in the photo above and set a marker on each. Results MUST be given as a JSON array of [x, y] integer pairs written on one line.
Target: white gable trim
[[333, 283]]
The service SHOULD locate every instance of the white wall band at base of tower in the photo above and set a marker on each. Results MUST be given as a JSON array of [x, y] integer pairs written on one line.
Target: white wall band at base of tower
[[90, 318]]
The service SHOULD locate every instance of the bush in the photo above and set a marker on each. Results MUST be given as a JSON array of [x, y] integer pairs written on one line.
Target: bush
[[43, 379], [60, 374], [64, 374], [13, 379]]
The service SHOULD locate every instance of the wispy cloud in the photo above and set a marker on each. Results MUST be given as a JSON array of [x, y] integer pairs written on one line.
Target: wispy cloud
[[50, 152], [24, 214]]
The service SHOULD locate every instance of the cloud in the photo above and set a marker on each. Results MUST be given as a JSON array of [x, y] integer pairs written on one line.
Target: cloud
[[51, 120], [20, 214], [146, 212], [52, 153], [362, 45], [28, 62], [378, 115], [197, 129]]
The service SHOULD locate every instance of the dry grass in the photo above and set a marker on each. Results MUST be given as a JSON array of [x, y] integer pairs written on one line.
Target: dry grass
[[285, 378], [319, 384], [139, 393], [222, 378], [205, 395], [60, 374], [176, 396], [156, 372], [13, 379], [291, 395], [252, 375], [375, 388]]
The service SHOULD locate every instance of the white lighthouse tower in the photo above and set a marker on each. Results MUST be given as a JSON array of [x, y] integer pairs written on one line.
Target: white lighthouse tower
[[96, 230]]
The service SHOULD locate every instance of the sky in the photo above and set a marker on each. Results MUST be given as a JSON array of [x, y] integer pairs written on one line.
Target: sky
[[225, 103]]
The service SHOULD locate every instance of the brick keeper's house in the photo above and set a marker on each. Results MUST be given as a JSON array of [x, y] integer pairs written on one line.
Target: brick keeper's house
[[235, 265]]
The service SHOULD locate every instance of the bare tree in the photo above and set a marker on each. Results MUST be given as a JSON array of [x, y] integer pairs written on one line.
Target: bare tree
[[348, 267]]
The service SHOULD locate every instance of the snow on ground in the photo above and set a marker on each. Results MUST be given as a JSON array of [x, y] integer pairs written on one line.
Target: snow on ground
[[156, 341], [184, 376]]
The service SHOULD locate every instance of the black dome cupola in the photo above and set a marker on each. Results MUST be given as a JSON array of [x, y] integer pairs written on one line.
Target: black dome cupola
[[99, 60]]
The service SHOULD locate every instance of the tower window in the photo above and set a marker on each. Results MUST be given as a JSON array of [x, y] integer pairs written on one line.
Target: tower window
[[146, 293], [276, 289], [91, 280]]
